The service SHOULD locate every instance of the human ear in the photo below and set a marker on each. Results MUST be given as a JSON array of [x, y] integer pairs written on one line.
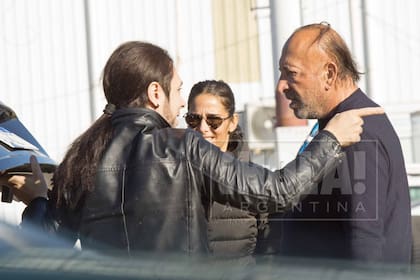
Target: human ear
[[153, 94], [233, 123], [330, 74]]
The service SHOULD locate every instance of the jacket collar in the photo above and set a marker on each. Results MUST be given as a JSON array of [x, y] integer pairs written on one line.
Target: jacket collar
[[345, 105], [141, 117]]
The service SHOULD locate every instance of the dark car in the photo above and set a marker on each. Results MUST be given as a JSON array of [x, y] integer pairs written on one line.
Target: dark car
[[31, 254]]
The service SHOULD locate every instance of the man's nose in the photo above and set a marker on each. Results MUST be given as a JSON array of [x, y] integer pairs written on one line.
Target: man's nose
[[282, 85], [183, 103]]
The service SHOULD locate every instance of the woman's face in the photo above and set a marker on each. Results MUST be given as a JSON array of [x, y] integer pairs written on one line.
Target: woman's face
[[207, 106]]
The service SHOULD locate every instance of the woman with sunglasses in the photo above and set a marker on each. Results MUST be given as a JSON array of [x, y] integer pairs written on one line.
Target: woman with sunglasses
[[133, 183], [233, 233]]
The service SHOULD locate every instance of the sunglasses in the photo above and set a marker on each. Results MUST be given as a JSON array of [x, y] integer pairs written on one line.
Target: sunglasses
[[194, 120]]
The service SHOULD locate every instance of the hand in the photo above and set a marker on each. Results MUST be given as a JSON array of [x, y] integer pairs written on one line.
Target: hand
[[348, 126], [28, 187]]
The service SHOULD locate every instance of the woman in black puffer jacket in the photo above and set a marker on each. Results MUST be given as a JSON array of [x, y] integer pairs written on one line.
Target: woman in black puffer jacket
[[233, 232]]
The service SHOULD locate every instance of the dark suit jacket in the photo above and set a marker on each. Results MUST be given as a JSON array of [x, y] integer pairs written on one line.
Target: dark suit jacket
[[361, 210]]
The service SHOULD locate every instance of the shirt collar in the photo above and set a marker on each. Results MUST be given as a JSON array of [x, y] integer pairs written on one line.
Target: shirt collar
[[341, 107]]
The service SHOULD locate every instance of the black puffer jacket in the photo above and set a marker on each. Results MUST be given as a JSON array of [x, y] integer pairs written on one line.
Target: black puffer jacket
[[234, 232], [150, 192]]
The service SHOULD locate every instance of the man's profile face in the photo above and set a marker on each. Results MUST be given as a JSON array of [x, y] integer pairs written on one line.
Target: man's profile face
[[171, 108], [300, 80]]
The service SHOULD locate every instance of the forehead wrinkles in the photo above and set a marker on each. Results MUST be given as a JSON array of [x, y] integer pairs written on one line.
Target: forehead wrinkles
[[295, 51], [303, 50]]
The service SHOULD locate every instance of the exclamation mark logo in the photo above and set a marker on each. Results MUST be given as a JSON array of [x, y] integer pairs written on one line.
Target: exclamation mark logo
[[359, 172]]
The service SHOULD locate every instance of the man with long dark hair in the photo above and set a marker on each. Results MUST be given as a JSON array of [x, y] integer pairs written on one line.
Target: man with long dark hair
[[131, 182]]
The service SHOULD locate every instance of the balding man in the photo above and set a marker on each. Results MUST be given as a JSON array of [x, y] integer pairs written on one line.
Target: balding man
[[360, 211]]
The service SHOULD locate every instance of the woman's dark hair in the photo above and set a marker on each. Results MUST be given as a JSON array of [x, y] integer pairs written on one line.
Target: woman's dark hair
[[126, 77], [225, 93]]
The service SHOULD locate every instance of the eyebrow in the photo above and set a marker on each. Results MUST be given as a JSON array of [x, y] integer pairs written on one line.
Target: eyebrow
[[208, 114], [289, 67], [213, 115], [284, 67]]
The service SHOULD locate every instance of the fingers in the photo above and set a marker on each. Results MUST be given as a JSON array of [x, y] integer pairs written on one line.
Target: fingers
[[36, 171], [347, 126], [368, 111], [16, 181]]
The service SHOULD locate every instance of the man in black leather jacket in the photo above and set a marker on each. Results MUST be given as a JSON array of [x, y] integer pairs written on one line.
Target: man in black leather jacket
[[131, 182]]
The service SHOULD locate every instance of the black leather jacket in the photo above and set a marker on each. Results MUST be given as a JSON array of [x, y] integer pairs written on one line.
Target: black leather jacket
[[150, 192]]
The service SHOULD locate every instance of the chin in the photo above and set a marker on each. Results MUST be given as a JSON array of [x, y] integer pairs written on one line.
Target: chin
[[211, 140], [300, 114]]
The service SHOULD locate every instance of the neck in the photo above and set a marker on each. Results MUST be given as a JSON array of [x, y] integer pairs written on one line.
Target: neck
[[341, 91]]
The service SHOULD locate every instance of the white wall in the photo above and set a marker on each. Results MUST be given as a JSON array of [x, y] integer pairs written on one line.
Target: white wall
[[384, 37], [52, 53], [47, 78], [45, 48], [43, 68], [394, 55]]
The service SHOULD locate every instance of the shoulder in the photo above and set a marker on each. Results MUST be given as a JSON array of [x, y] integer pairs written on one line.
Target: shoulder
[[376, 127], [178, 140], [176, 135]]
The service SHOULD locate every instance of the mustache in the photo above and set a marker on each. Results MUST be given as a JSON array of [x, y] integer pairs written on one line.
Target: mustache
[[292, 96]]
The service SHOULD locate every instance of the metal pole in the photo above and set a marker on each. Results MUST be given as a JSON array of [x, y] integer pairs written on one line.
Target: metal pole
[[366, 47], [285, 17], [92, 103]]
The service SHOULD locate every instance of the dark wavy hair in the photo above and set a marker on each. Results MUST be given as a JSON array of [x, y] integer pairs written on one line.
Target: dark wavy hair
[[126, 77], [224, 92]]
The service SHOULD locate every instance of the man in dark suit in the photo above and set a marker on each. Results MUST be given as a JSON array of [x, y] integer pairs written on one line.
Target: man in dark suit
[[361, 211]]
